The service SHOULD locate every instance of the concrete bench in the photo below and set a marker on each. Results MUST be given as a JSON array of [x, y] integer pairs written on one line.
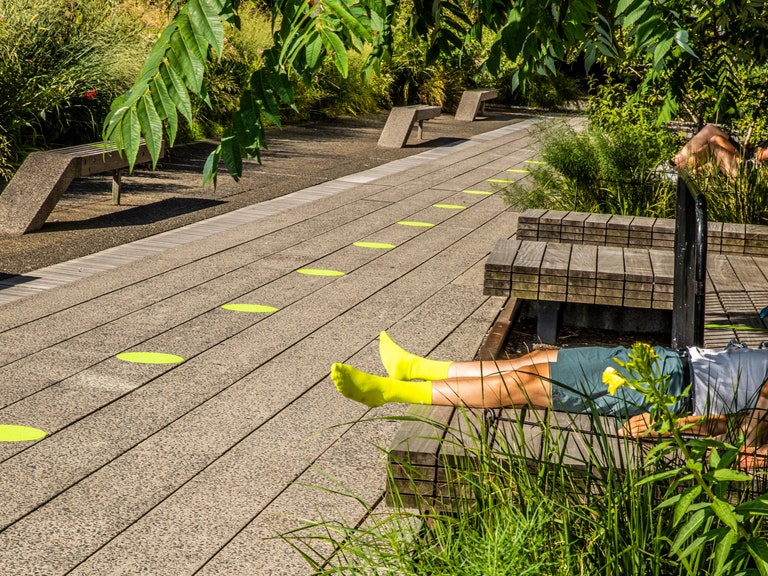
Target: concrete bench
[[400, 123], [473, 103], [625, 231], [42, 179]]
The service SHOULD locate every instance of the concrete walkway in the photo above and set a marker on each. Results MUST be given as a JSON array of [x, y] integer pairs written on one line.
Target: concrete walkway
[[195, 467]]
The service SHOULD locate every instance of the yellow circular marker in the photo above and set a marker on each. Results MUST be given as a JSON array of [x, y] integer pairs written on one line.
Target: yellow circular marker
[[477, 192], [534, 162], [319, 272], [518, 170], [450, 206], [415, 223], [14, 433], [252, 308], [379, 245], [500, 181], [150, 358]]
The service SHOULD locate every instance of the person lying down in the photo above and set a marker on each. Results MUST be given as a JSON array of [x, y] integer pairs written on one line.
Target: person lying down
[[721, 382]]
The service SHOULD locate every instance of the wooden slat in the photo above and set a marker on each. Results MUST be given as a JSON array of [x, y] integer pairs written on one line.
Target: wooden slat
[[554, 272], [617, 230]]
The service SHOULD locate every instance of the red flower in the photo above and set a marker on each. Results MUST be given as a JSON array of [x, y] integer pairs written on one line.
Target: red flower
[[90, 95]]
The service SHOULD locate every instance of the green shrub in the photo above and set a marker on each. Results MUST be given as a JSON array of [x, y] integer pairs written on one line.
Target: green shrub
[[61, 64], [612, 171]]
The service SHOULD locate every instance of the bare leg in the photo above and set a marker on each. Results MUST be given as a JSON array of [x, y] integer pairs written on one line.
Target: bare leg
[[529, 385], [709, 144], [481, 369], [526, 386], [402, 365]]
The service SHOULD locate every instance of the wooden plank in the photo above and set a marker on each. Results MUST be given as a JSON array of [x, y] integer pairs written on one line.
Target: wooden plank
[[756, 241], [418, 440], [637, 266], [556, 259], [610, 265], [573, 227], [554, 272], [663, 233], [550, 224], [663, 266], [617, 230], [528, 259], [641, 231], [503, 254]]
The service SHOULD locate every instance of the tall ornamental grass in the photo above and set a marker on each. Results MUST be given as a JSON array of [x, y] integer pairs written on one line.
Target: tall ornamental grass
[[521, 504], [61, 64], [617, 170]]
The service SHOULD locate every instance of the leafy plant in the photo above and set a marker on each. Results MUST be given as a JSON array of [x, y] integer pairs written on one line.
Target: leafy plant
[[708, 525], [611, 171], [61, 64]]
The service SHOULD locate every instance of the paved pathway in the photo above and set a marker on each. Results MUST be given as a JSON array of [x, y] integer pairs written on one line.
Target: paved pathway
[[194, 467]]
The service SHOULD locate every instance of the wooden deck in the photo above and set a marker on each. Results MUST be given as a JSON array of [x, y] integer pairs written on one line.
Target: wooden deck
[[196, 467]]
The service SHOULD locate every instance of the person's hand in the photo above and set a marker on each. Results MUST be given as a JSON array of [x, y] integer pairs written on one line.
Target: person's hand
[[637, 426], [754, 458]]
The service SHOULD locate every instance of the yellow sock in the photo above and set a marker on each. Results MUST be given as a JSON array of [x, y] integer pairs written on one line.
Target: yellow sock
[[374, 390], [402, 365]]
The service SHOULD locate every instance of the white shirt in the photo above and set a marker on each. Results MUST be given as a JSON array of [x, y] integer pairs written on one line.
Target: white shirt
[[726, 381]]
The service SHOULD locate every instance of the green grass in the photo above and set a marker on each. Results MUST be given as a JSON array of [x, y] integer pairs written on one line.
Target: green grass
[[506, 513]]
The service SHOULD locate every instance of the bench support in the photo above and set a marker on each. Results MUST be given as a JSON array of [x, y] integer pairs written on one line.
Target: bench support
[[473, 103], [690, 265], [400, 123], [548, 319]]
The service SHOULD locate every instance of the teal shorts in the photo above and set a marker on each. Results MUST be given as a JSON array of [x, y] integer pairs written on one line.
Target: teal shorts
[[577, 381]]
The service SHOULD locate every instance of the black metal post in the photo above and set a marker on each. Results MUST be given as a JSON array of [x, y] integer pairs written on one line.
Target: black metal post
[[690, 264]]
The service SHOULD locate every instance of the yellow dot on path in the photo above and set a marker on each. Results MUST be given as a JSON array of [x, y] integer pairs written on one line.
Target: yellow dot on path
[[501, 181], [150, 357], [253, 308], [415, 223], [450, 206], [14, 433], [518, 170], [319, 272], [477, 192], [534, 162], [378, 245]]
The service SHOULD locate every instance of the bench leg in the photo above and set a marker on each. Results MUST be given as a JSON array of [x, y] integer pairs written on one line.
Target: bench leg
[[421, 128], [117, 176], [548, 315]]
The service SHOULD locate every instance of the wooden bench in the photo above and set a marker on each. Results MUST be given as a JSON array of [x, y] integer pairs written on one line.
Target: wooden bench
[[400, 123], [437, 437], [584, 274], [473, 103], [636, 231], [42, 179]]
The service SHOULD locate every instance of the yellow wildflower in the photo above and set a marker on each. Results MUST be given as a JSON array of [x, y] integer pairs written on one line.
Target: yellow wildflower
[[613, 379]]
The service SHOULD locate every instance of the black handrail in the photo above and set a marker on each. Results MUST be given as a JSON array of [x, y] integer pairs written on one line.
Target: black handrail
[[690, 264]]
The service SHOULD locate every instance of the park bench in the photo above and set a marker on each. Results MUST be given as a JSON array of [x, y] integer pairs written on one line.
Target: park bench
[[400, 123], [634, 231], [42, 179], [473, 103], [435, 438]]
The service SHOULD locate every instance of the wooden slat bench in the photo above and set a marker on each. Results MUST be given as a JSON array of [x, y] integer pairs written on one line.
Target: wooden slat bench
[[400, 123], [584, 274], [617, 230], [42, 179], [473, 103], [736, 290]]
